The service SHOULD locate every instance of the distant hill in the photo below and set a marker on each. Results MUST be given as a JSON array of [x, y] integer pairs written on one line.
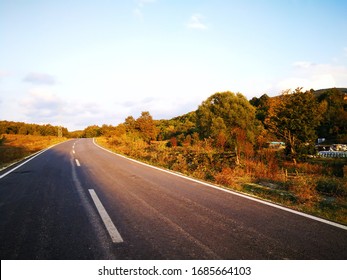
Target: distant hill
[[319, 92]]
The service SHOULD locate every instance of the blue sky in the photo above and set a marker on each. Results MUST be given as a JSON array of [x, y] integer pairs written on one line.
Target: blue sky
[[83, 62]]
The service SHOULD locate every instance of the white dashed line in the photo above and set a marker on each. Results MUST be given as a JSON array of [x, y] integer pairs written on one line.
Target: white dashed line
[[112, 230], [77, 162]]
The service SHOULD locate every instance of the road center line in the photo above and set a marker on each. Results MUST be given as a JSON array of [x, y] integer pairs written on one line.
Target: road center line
[[112, 230], [77, 162], [73, 151]]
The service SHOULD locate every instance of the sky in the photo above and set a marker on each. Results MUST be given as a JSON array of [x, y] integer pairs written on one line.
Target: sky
[[85, 62]]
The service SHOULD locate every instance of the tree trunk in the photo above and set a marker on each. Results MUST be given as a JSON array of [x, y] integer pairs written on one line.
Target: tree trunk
[[237, 156]]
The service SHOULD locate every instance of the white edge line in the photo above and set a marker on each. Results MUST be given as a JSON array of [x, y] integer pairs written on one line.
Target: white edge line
[[29, 158], [77, 162], [230, 191], [112, 230]]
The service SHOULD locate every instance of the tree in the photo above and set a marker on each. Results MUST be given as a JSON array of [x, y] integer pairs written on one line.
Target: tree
[[294, 118], [218, 132], [262, 106], [146, 126], [130, 124], [107, 130], [334, 122], [92, 131], [10, 127], [224, 116], [23, 130]]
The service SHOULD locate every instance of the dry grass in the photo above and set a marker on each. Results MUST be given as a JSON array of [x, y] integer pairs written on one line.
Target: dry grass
[[15, 147]]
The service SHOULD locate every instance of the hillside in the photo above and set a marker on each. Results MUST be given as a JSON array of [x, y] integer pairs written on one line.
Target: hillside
[[319, 92]]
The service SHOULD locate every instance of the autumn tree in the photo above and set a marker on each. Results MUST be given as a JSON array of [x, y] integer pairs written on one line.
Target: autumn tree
[[10, 127], [294, 118], [91, 131], [119, 130], [146, 126], [108, 130], [130, 124], [334, 122]]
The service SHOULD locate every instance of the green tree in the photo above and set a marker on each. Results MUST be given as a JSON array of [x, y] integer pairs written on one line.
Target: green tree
[[229, 119], [225, 111], [219, 132], [262, 106]]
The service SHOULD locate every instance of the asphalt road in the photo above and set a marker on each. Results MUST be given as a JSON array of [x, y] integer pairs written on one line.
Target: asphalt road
[[78, 201]]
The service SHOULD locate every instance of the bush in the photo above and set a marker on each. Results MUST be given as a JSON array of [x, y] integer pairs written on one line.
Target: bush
[[331, 186], [180, 164], [303, 188]]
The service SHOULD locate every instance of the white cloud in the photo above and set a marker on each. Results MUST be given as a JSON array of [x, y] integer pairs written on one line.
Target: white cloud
[[42, 104], [196, 22], [39, 79], [314, 76], [303, 64]]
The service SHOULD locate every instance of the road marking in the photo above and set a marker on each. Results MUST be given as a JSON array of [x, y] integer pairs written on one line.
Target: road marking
[[230, 191], [112, 230], [73, 151], [77, 162], [102, 235]]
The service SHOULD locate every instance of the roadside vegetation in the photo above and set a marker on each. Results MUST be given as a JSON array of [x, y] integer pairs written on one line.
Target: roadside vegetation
[[14, 147], [236, 144], [313, 187]]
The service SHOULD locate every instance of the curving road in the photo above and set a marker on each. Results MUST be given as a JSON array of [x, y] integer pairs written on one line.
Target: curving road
[[79, 201]]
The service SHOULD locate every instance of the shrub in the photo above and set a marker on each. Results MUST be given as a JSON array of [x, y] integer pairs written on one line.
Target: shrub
[[331, 186], [226, 177], [180, 164], [304, 189]]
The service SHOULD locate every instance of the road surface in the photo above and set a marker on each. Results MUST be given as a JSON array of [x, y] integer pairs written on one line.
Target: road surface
[[78, 201]]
